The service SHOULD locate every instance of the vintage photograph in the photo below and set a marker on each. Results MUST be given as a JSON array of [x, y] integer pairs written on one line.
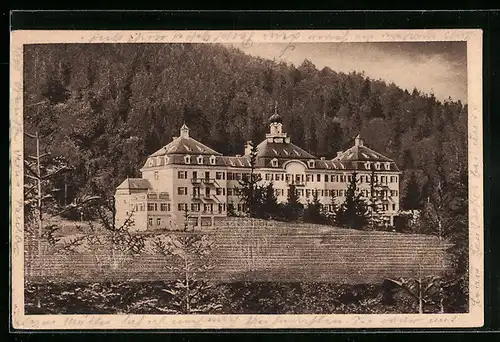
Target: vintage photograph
[[225, 177]]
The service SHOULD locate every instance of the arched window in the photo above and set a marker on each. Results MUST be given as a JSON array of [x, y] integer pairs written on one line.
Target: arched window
[[310, 163], [166, 160], [367, 165], [200, 159], [274, 162], [377, 166], [187, 159], [151, 162], [212, 160], [387, 166]]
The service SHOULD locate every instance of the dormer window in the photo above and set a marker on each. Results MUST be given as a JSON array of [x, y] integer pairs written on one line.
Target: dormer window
[[367, 165], [199, 159], [310, 164], [274, 162], [212, 160], [377, 165], [387, 166], [166, 160], [187, 159], [151, 162], [158, 161]]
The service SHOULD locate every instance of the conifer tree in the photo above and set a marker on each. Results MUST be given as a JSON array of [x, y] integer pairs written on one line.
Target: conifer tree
[[313, 212], [293, 208], [251, 191], [334, 209], [270, 204], [375, 201], [353, 211], [412, 199]]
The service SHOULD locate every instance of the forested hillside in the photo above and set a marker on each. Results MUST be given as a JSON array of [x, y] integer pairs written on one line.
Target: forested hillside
[[108, 106]]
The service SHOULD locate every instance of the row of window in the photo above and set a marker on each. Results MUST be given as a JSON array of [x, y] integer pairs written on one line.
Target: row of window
[[206, 207], [281, 192], [288, 177], [152, 207], [195, 175]]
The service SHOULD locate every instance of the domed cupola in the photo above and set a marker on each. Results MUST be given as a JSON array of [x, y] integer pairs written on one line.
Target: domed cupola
[[275, 118]]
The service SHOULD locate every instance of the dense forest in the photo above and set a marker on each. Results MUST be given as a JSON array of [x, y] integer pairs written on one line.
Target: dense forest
[[105, 107]]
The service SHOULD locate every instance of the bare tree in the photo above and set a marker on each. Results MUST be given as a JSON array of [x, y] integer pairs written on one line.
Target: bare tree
[[191, 262]]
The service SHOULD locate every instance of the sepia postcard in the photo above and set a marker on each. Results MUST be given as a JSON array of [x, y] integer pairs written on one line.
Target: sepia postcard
[[246, 179]]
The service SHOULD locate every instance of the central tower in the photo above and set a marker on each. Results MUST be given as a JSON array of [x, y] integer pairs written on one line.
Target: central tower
[[276, 133]]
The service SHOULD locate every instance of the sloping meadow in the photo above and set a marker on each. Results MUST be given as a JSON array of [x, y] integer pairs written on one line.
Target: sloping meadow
[[257, 250]]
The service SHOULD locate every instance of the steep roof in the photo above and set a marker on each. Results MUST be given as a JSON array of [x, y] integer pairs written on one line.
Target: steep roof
[[182, 145], [282, 150], [362, 153]]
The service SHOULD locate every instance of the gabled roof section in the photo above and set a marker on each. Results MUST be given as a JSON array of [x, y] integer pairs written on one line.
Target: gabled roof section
[[135, 184]]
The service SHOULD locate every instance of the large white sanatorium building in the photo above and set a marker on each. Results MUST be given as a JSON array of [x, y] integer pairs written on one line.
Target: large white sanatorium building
[[188, 182]]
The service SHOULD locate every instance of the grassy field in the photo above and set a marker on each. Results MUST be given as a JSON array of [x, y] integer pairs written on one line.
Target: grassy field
[[254, 250]]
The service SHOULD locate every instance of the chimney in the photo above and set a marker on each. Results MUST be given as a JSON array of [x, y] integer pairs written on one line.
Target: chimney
[[358, 141], [248, 147]]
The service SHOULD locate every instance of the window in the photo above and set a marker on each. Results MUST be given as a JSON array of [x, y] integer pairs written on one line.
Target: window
[[332, 178], [199, 159], [167, 159], [150, 221], [326, 178], [157, 176], [151, 206], [349, 178], [220, 208], [318, 178], [387, 166], [310, 163], [140, 207], [229, 176], [182, 190], [182, 206], [187, 159], [308, 178], [308, 193], [151, 162], [367, 165], [229, 192], [237, 176], [394, 207], [195, 207], [212, 160], [219, 175], [274, 162], [377, 166], [268, 176], [218, 191], [182, 174], [301, 192], [158, 221]]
